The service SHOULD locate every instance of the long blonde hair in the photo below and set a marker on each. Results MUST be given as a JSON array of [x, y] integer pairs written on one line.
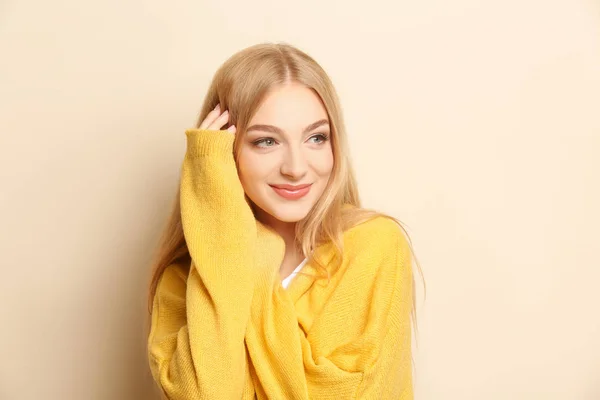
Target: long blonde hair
[[239, 86]]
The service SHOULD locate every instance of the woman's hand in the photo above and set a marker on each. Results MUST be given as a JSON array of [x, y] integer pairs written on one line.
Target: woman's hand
[[215, 120]]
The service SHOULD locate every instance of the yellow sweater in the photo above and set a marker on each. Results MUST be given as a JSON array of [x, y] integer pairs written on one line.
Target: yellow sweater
[[225, 328]]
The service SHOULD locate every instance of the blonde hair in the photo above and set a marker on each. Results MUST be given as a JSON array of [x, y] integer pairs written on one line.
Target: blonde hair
[[239, 86]]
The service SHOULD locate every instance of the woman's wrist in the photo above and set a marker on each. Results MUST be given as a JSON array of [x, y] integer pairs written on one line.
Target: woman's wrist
[[209, 143]]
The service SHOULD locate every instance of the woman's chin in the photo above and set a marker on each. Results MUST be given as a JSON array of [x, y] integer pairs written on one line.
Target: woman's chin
[[288, 213], [293, 215]]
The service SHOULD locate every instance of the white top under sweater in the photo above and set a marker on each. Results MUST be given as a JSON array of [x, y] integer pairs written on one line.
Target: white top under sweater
[[285, 282]]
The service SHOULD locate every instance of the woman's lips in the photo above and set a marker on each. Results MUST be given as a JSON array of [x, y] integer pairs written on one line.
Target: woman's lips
[[292, 194]]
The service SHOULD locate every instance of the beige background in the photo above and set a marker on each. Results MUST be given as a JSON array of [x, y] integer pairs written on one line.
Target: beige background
[[476, 123]]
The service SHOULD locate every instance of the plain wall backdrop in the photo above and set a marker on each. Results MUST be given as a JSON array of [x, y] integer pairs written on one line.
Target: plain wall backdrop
[[476, 123]]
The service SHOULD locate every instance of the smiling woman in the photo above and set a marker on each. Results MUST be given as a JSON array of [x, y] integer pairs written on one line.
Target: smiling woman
[[298, 153], [271, 280]]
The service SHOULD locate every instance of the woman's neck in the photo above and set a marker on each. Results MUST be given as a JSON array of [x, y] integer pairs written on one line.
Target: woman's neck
[[287, 230]]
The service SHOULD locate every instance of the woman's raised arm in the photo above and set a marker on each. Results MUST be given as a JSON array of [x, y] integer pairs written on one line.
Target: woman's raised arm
[[200, 353]]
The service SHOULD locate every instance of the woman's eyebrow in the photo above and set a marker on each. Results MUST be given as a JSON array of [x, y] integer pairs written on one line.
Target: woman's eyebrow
[[274, 129]]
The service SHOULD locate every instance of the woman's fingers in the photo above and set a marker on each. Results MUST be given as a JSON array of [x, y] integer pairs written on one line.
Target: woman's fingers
[[211, 117], [215, 120], [221, 120]]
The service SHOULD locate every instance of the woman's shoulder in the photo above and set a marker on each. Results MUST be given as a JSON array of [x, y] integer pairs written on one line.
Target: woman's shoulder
[[377, 231], [375, 249], [174, 277], [379, 240]]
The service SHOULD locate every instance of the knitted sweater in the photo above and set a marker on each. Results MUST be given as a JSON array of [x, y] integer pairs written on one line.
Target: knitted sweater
[[223, 327]]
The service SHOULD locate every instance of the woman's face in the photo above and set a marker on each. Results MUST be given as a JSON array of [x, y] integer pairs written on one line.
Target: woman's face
[[287, 143]]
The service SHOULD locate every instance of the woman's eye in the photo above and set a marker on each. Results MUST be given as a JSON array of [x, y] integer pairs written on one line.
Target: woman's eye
[[258, 142], [322, 137]]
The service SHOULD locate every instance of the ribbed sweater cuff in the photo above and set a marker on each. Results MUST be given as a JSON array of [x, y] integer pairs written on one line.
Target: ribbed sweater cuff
[[213, 143]]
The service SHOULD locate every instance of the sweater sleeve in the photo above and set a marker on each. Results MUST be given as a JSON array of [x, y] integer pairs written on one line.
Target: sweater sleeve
[[198, 351], [362, 349]]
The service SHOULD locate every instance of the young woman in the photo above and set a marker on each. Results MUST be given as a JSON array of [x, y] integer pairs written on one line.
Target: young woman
[[271, 281]]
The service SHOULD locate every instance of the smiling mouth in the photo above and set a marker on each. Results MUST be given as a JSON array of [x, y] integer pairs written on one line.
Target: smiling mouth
[[295, 193]]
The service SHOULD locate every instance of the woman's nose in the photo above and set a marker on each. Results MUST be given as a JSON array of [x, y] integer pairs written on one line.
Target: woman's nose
[[294, 163]]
